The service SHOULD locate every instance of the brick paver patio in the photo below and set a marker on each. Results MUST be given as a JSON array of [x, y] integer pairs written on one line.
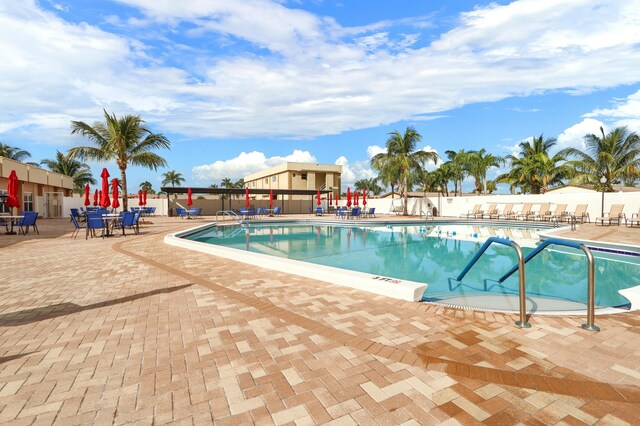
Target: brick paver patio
[[130, 330]]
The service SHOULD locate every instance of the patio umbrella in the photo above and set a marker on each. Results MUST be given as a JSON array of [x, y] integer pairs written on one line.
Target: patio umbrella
[[246, 197], [355, 198], [348, 196], [95, 198], [12, 190], [364, 196], [144, 197], [318, 202], [271, 198], [86, 195], [104, 198], [114, 190], [189, 200], [140, 203]]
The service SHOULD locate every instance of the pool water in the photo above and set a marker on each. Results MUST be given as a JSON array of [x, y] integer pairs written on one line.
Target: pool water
[[435, 255]]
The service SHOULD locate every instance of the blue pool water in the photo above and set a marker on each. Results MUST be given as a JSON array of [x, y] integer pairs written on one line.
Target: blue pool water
[[435, 255]]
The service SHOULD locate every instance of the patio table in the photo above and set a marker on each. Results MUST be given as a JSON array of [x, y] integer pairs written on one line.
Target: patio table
[[13, 220], [109, 220]]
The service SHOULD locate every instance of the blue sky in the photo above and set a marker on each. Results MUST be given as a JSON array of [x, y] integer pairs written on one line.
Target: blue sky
[[240, 86]]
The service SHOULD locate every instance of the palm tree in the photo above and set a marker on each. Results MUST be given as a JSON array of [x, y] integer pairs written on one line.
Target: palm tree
[[15, 153], [226, 183], [402, 156], [80, 172], [534, 169], [477, 163], [126, 140], [172, 178], [616, 156], [456, 164], [373, 187], [146, 185]]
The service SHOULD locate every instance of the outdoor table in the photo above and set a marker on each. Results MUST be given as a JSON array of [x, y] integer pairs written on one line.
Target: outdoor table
[[13, 220], [109, 219]]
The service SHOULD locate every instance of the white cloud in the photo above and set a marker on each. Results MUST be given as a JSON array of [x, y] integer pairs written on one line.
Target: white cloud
[[573, 136], [352, 172], [304, 75], [246, 163], [374, 150], [625, 112]]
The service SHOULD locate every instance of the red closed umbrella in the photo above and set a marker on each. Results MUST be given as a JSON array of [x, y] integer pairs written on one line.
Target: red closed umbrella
[[189, 200], [144, 197], [364, 196], [95, 198], [318, 202], [104, 198], [140, 202], [86, 195], [348, 196], [246, 197], [12, 190], [355, 198], [271, 198], [114, 190]]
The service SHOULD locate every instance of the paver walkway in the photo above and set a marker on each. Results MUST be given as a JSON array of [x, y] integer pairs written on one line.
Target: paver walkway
[[130, 330]]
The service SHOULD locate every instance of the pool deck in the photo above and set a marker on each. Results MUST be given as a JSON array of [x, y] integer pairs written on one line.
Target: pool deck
[[128, 330]]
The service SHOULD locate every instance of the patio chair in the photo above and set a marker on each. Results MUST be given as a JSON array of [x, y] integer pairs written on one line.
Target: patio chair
[[94, 221], [128, 220], [77, 225], [355, 212], [542, 213], [319, 211], [557, 215], [29, 219], [277, 211], [635, 218], [474, 212], [507, 212], [491, 210], [199, 211], [76, 213], [614, 215], [371, 212], [525, 213]]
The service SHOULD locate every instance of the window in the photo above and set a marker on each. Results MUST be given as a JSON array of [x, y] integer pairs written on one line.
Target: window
[[266, 180], [28, 201], [3, 200], [304, 176], [253, 184], [274, 178]]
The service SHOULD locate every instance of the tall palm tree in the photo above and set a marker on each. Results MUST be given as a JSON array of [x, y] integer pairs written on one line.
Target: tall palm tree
[[226, 183], [457, 161], [146, 185], [477, 163], [616, 156], [126, 140], [80, 172], [15, 153], [402, 156], [172, 178]]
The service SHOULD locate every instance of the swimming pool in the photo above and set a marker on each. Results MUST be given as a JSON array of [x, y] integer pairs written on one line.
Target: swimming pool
[[556, 279]]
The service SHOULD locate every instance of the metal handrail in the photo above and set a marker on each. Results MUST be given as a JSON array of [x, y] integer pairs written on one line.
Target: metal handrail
[[591, 286], [522, 322], [233, 215]]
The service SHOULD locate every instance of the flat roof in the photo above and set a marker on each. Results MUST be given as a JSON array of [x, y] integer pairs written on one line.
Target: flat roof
[[241, 191]]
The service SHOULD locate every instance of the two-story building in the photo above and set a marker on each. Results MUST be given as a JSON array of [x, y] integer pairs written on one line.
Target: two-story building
[[297, 176]]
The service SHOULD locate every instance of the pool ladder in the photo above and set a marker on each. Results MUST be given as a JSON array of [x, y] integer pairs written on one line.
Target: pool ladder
[[522, 260], [233, 215]]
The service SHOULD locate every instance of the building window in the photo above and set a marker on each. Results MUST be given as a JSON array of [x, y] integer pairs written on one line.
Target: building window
[[266, 180], [274, 178], [253, 184], [303, 176], [3, 199], [28, 201]]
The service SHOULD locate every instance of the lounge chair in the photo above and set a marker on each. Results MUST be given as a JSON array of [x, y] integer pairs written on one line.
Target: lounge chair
[[542, 213], [506, 213], [557, 215], [473, 213], [579, 215], [491, 210], [525, 213], [614, 215], [635, 218]]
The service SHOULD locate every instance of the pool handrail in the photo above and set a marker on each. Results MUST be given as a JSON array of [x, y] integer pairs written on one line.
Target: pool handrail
[[233, 215], [590, 274], [522, 322]]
